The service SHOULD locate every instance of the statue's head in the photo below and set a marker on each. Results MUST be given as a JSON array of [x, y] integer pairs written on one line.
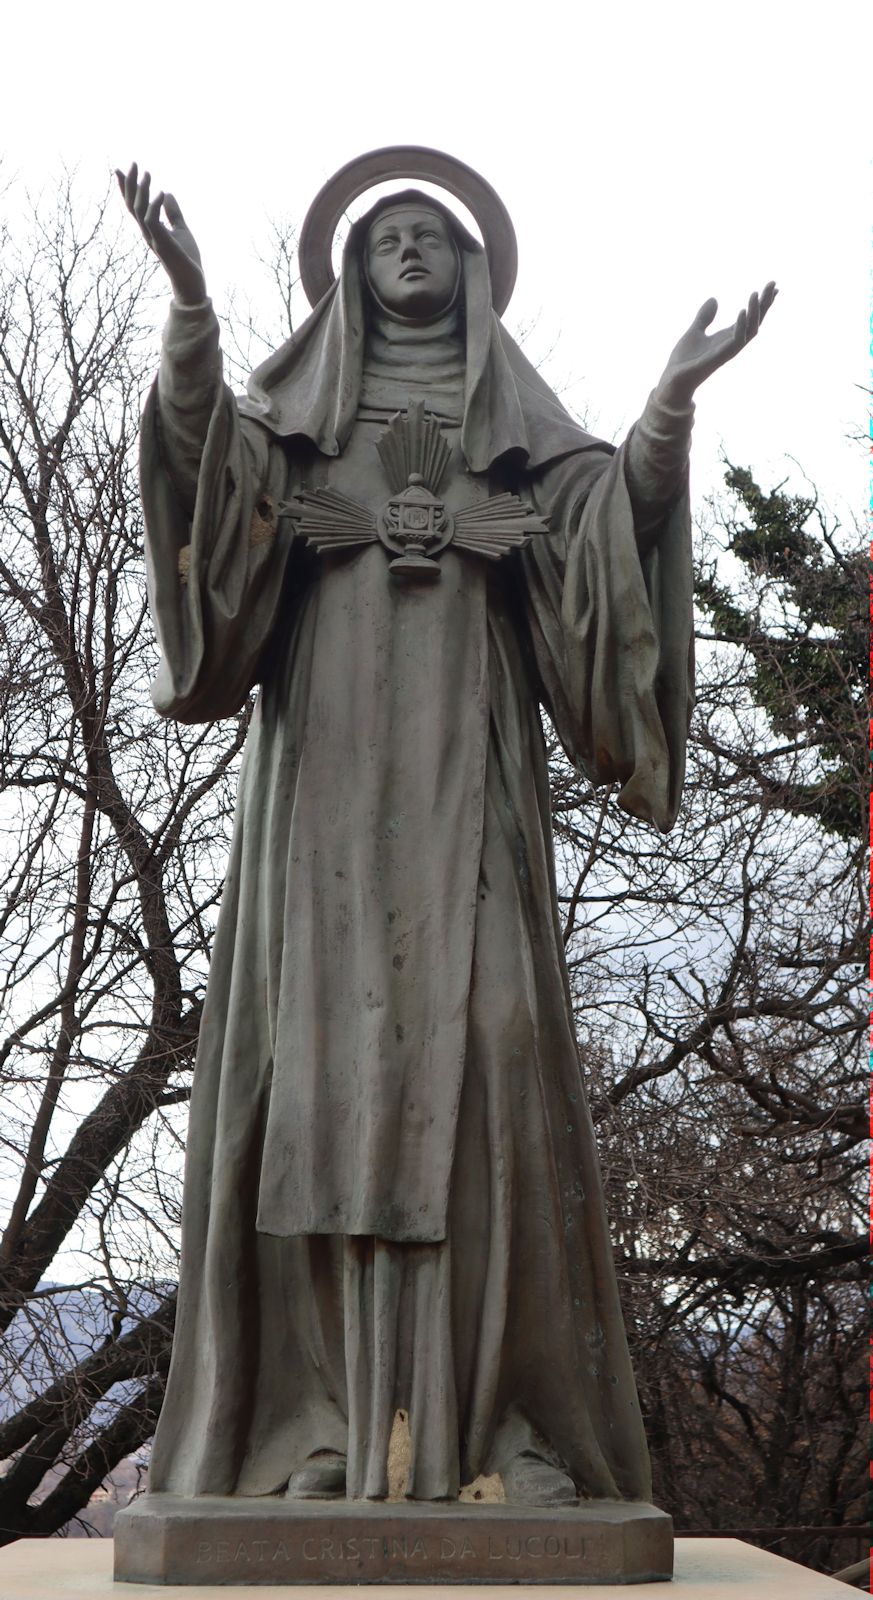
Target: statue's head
[[411, 260]]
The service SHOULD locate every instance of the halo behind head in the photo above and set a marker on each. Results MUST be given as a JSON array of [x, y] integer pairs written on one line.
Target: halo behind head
[[407, 161]]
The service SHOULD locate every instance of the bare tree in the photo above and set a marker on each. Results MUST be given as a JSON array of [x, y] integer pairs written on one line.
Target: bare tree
[[718, 984], [113, 825]]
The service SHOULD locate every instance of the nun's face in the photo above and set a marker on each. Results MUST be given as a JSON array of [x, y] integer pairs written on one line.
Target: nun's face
[[412, 262]]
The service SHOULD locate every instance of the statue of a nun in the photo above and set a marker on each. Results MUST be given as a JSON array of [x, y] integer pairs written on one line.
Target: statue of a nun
[[407, 546]]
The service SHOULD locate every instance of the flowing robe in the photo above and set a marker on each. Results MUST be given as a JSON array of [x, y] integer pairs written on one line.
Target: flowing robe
[[392, 1187]]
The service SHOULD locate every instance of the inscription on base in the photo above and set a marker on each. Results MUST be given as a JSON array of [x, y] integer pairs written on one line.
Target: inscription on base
[[424, 1549], [258, 1542]]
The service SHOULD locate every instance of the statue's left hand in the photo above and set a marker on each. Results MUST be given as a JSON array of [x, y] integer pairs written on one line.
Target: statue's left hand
[[698, 353]]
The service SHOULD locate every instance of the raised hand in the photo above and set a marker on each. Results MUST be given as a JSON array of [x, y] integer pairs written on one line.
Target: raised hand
[[699, 354], [174, 246]]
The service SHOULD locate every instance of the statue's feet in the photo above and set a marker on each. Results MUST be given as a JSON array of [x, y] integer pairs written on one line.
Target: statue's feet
[[530, 1481], [323, 1477]]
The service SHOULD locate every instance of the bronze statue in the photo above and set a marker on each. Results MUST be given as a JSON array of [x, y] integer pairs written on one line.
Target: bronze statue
[[406, 543]]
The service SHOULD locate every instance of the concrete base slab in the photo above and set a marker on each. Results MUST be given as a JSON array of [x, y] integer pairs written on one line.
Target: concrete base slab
[[706, 1569], [214, 1540]]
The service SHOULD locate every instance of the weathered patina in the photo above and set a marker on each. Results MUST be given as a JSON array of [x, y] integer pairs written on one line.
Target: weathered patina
[[402, 540]]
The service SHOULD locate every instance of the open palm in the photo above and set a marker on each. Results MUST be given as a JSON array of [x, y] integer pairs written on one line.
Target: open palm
[[174, 245], [698, 353]]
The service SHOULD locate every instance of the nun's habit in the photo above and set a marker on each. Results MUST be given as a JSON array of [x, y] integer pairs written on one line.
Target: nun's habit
[[392, 1194]]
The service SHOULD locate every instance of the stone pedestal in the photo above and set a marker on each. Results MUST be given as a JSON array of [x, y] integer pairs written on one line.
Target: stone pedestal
[[706, 1569], [212, 1540]]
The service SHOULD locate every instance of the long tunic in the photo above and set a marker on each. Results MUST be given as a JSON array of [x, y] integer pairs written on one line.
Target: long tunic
[[392, 1189]]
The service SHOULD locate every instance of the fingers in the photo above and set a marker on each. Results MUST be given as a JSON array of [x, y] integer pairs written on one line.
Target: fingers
[[127, 183], [768, 296], [756, 311], [706, 313], [141, 198], [151, 223], [136, 192], [174, 211], [162, 239]]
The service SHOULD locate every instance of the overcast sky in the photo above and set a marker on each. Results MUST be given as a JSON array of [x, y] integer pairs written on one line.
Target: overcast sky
[[650, 155]]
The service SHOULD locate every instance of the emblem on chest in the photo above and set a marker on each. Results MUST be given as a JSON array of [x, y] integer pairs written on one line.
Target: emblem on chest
[[414, 524]]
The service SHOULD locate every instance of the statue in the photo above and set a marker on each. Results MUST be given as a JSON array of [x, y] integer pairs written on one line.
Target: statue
[[392, 1196]]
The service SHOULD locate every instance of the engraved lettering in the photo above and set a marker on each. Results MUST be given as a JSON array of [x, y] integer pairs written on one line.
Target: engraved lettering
[[395, 1547]]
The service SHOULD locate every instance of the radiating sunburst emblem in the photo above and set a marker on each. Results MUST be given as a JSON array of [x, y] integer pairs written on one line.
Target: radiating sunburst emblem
[[414, 524]]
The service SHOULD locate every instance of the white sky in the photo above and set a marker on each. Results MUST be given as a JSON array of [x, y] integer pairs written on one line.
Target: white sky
[[650, 155]]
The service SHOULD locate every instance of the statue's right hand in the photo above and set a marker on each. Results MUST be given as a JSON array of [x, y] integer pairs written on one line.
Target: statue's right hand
[[174, 245]]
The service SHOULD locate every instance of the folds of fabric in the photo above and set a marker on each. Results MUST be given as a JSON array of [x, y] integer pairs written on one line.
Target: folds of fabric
[[613, 633], [392, 1190], [508, 1334]]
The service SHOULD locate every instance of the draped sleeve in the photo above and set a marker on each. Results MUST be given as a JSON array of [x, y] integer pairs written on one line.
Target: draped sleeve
[[215, 549], [612, 628]]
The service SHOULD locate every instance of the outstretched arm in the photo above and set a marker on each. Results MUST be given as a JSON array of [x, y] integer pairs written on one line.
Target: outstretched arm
[[190, 372], [657, 451], [214, 581]]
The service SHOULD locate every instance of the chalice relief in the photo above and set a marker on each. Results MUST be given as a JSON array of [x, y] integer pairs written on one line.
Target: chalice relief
[[399, 535]]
